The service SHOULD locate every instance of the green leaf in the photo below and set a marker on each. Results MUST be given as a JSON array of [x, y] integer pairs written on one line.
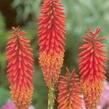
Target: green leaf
[[4, 96]]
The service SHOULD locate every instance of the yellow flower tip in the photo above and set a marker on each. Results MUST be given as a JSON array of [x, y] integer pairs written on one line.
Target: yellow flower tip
[[51, 66], [93, 94], [22, 97]]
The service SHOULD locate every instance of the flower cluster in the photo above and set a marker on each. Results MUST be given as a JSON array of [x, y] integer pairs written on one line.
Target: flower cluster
[[92, 68], [20, 69], [69, 92], [51, 40]]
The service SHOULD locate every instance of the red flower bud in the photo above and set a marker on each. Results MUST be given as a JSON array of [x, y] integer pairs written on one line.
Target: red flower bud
[[20, 69], [69, 92], [92, 67], [51, 40]]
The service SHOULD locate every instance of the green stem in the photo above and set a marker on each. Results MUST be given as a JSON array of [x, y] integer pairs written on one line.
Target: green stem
[[51, 98]]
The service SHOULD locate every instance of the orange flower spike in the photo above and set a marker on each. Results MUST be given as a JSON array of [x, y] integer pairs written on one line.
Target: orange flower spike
[[69, 92], [92, 67], [20, 69], [51, 40]]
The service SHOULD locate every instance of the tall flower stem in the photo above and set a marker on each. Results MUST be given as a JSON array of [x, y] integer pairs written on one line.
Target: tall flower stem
[[51, 97]]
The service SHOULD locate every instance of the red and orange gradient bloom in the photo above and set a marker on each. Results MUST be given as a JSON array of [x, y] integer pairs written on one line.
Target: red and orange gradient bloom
[[92, 67], [20, 69], [69, 91], [51, 40]]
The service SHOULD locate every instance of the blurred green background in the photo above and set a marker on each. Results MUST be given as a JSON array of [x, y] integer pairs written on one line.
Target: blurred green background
[[81, 15]]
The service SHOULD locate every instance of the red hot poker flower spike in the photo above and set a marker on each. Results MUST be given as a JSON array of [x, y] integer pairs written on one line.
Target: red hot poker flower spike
[[92, 67], [51, 40], [69, 92], [20, 69]]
